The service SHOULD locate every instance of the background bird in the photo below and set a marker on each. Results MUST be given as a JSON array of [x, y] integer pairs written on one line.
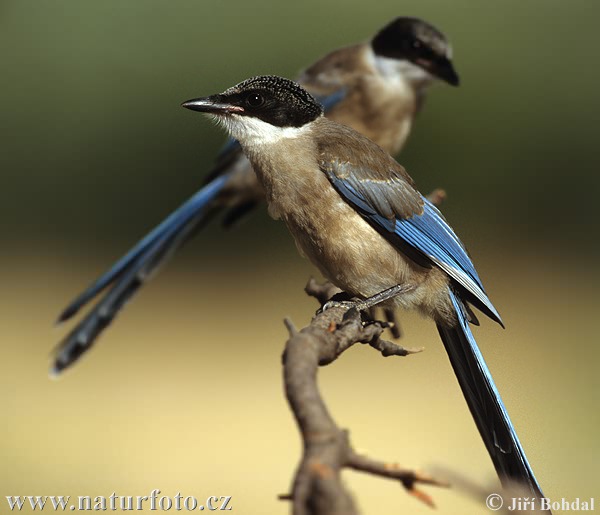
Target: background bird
[[376, 87], [357, 215]]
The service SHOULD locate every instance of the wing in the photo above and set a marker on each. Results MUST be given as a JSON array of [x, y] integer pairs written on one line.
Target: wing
[[330, 100], [356, 171], [387, 199]]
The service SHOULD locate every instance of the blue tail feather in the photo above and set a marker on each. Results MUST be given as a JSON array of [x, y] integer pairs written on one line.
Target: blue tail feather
[[130, 272], [171, 224], [485, 403]]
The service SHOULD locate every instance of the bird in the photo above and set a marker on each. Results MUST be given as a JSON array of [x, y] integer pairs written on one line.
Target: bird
[[356, 214], [377, 87]]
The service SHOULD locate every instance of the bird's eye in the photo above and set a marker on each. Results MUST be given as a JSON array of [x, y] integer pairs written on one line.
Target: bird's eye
[[416, 44], [255, 100]]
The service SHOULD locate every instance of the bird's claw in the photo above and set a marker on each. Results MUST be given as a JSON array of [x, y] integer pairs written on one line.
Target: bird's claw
[[345, 304]]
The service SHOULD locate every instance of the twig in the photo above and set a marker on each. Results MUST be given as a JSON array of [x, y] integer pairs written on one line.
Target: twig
[[408, 478]]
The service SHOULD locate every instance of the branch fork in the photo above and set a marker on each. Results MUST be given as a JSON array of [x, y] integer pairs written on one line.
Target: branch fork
[[317, 488]]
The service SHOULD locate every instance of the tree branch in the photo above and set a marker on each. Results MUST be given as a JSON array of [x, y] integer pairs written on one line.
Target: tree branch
[[317, 487]]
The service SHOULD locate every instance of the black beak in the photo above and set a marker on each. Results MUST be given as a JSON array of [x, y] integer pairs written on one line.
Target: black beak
[[441, 68], [213, 105]]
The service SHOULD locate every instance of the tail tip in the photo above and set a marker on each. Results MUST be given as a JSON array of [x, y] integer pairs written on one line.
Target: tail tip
[[65, 314], [55, 372]]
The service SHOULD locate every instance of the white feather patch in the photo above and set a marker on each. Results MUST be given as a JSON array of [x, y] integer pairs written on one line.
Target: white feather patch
[[399, 71], [252, 132]]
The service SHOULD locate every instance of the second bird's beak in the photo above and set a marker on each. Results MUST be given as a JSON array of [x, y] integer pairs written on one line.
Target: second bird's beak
[[441, 68], [211, 105]]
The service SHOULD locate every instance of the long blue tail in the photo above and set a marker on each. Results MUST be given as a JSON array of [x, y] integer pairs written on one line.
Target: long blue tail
[[485, 404], [131, 272]]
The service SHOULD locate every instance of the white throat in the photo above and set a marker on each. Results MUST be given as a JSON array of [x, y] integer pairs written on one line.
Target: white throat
[[253, 132], [399, 70]]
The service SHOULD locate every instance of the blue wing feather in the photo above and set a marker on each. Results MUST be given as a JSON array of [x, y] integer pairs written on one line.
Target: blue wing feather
[[430, 235], [331, 100], [230, 146]]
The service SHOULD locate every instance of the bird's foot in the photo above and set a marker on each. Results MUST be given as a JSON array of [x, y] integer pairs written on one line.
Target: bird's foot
[[339, 300], [347, 305], [368, 303]]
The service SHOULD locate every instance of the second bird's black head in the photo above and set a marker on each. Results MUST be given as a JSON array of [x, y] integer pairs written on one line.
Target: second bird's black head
[[419, 42], [277, 101]]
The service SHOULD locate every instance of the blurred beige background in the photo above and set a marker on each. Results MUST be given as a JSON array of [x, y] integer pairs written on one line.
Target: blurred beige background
[[184, 392]]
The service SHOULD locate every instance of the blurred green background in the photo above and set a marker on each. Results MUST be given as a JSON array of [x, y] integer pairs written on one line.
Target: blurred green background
[[184, 392]]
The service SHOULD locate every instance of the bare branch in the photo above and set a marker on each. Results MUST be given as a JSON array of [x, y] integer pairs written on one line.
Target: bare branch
[[317, 487], [321, 292], [289, 325]]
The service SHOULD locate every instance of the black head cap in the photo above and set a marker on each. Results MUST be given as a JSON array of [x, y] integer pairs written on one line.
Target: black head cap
[[419, 42], [275, 100]]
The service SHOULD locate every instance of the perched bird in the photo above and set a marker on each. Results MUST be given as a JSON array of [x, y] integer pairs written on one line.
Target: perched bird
[[356, 214], [376, 87]]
